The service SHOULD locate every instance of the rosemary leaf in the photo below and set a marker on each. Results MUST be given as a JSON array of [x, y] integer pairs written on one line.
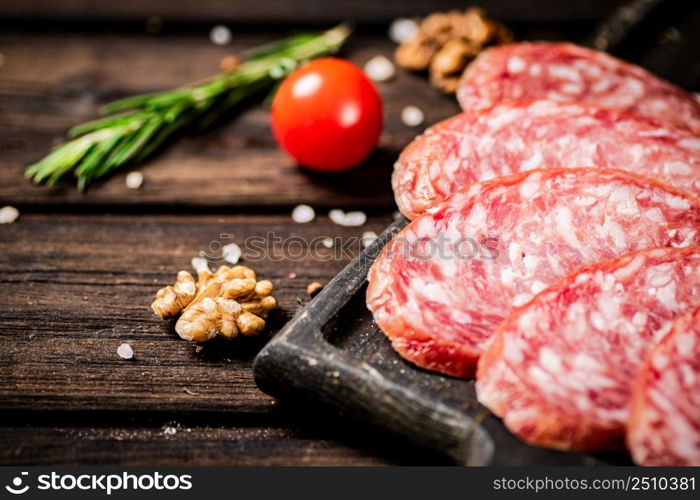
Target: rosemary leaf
[[101, 123], [137, 126]]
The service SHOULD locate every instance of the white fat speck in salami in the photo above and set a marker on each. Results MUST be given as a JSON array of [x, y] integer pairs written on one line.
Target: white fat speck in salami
[[569, 73], [663, 428], [600, 328], [515, 137], [490, 248]]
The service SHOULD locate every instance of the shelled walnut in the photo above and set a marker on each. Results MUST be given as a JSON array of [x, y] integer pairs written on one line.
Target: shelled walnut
[[224, 304], [447, 41]]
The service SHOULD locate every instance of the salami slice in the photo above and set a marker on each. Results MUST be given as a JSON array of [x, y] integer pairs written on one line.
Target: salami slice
[[444, 283], [664, 425], [514, 137], [559, 370], [569, 73]]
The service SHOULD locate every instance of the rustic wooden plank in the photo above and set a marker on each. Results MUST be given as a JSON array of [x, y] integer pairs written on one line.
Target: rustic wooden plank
[[334, 353], [72, 289], [232, 166], [196, 446], [285, 11], [282, 436]]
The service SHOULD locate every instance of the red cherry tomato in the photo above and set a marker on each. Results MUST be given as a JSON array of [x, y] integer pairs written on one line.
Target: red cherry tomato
[[327, 115]]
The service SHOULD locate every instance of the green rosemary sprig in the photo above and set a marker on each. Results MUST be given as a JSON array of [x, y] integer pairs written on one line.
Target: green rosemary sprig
[[137, 126]]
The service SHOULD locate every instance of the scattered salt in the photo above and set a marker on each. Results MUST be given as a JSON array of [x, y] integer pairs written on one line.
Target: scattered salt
[[170, 430], [220, 35], [380, 69], [208, 304], [303, 214], [402, 29], [412, 116], [368, 238], [134, 180], [231, 253], [125, 351], [327, 242], [8, 214], [291, 276], [337, 216], [341, 218], [199, 263]]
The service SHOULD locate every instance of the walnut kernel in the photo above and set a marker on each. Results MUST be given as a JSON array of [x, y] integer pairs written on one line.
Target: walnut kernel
[[227, 303]]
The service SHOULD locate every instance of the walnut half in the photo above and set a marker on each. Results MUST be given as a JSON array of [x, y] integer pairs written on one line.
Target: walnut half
[[227, 303], [448, 64], [447, 41]]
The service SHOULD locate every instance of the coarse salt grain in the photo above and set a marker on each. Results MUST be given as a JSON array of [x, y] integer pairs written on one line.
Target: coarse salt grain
[[380, 69], [231, 253], [412, 116], [134, 180], [199, 263], [125, 351], [291, 276], [220, 35], [170, 431], [368, 238], [355, 218], [8, 214], [327, 242], [303, 214], [337, 216], [402, 29]]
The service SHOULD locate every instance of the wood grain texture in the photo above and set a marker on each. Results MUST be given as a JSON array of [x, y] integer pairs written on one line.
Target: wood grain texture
[[72, 289], [236, 165], [74, 286], [279, 436], [191, 446]]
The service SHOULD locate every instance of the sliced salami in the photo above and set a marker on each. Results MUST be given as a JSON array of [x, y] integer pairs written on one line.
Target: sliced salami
[[559, 370], [514, 137], [444, 283], [569, 73], [664, 424]]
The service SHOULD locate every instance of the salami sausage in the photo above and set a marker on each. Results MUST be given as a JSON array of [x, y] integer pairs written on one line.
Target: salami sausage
[[569, 73], [664, 424], [514, 137], [559, 370], [444, 283]]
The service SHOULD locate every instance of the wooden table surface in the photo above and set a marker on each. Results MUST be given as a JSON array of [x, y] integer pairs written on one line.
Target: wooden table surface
[[78, 271]]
